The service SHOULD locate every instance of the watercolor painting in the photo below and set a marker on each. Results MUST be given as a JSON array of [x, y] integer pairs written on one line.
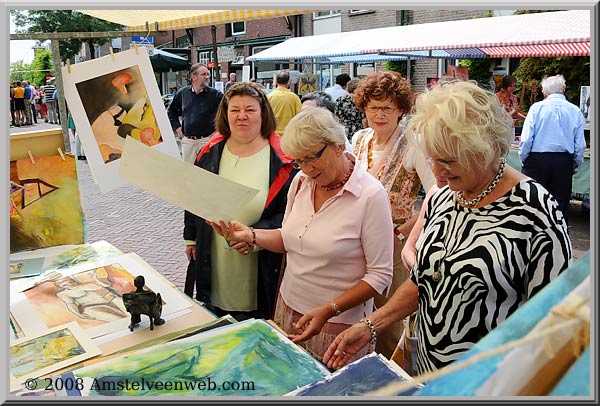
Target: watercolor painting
[[46, 206], [364, 375], [91, 296], [81, 255], [25, 268], [65, 345], [249, 358], [112, 98]]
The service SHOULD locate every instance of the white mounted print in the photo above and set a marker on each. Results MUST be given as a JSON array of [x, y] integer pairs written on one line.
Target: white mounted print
[[113, 97]]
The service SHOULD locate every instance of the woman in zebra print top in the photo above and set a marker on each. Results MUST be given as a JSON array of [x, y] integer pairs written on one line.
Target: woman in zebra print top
[[491, 239]]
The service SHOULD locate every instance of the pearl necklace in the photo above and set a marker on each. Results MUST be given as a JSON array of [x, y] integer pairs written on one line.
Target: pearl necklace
[[341, 183], [472, 203]]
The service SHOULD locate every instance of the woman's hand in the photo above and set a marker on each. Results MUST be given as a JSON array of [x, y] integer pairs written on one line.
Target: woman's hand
[[311, 323], [190, 252], [409, 255], [243, 248], [234, 231], [346, 344]]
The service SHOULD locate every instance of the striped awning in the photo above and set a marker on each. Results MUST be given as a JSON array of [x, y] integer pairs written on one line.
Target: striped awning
[[557, 33], [545, 50], [165, 20]]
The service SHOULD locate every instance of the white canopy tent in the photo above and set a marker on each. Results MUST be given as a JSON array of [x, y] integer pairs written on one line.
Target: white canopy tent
[[560, 33]]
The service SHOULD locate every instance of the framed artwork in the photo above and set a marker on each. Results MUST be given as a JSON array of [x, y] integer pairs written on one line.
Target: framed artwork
[[90, 297], [307, 83], [252, 357], [45, 203], [54, 349], [584, 103], [111, 98]]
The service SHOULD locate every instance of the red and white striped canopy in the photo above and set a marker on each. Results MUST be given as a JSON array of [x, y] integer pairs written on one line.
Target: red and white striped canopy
[[535, 51]]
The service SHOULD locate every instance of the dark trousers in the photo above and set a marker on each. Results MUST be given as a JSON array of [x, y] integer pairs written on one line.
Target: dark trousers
[[554, 171]]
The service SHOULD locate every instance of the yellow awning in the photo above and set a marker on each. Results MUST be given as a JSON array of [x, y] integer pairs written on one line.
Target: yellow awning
[[135, 20]]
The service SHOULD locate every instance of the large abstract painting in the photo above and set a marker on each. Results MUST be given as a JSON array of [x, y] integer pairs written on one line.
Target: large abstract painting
[[92, 298], [249, 358], [364, 375], [111, 98], [57, 348], [45, 203]]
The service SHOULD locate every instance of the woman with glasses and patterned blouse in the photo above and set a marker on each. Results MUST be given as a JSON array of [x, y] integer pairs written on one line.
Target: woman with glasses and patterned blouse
[[386, 99], [492, 238], [336, 231]]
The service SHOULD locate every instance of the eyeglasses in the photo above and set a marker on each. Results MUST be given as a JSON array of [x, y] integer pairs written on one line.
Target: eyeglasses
[[444, 163], [309, 160], [386, 109]]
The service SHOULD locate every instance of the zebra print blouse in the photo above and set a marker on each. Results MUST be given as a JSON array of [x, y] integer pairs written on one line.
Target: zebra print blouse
[[489, 261]]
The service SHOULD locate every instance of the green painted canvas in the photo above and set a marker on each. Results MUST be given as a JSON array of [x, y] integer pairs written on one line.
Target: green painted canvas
[[249, 358], [45, 203]]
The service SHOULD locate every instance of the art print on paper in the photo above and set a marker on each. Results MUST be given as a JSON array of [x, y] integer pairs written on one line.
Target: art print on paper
[[584, 103], [90, 298], [117, 105], [32, 357], [81, 255], [112, 98], [252, 353], [45, 203], [24, 268], [367, 374]]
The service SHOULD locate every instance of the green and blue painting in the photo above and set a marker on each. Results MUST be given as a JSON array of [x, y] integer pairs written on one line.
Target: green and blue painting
[[249, 358]]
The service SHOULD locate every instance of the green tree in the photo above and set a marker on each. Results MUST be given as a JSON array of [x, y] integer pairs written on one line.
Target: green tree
[[575, 69], [20, 71], [41, 21], [41, 66], [400, 67]]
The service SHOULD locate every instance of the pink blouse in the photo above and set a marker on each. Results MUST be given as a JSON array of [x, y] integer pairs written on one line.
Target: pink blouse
[[330, 251]]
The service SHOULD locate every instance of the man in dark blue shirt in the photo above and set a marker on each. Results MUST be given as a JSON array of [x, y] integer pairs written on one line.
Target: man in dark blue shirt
[[197, 105]]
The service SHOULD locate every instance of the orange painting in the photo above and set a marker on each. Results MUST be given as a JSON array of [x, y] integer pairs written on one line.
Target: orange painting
[[90, 298], [45, 205], [117, 105]]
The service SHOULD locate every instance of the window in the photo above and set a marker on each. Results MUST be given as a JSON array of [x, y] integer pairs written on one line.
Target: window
[[205, 57], [356, 12], [326, 13], [237, 28], [182, 42]]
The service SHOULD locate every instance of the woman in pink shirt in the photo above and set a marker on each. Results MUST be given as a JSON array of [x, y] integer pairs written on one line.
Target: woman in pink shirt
[[333, 232]]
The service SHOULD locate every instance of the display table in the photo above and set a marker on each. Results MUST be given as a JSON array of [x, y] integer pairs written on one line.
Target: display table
[[581, 180]]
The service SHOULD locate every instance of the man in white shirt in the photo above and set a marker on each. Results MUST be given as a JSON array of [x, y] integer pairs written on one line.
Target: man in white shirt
[[339, 89]]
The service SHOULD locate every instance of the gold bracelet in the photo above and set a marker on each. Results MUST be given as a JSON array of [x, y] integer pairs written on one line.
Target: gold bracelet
[[369, 323]]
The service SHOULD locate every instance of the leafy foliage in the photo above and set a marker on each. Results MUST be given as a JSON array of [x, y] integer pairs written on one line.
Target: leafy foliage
[[400, 67], [575, 69], [40, 21], [479, 70], [41, 65], [20, 71]]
